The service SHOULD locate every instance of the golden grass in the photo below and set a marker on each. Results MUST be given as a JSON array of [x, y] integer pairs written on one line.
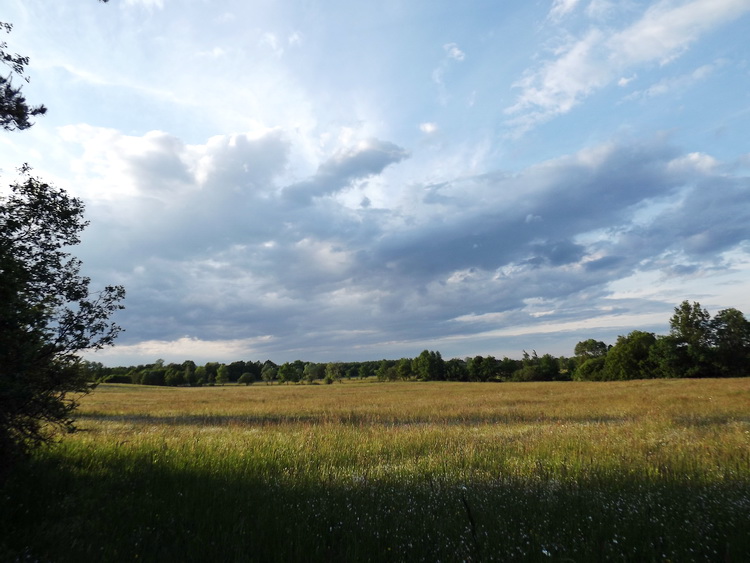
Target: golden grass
[[631, 471], [462, 431], [678, 400]]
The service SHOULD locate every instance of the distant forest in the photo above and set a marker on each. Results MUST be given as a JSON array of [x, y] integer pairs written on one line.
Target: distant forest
[[696, 346]]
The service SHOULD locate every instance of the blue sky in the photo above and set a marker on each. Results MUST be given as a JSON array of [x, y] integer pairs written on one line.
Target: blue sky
[[358, 180]]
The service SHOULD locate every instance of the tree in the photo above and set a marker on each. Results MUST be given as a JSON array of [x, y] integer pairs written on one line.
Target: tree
[[287, 373], [590, 370], [222, 374], [313, 371], [365, 370], [535, 368], [403, 369], [268, 371], [690, 329], [247, 378], [630, 357], [589, 360], [200, 376], [429, 365], [332, 373], [189, 368], [15, 112], [730, 338], [47, 314], [587, 349], [456, 370], [236, 369]]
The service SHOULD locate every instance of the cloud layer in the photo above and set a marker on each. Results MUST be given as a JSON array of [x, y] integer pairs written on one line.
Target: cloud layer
[[350, 181], [213, 243]]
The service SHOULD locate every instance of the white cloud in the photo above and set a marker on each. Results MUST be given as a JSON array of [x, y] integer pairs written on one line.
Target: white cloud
[[271, 40], [601, 9], [671, 84], [589, 63], [666, 30], [560, 8], [454, 52], [146, 3], [694, 162], [182, 348], [428, 127]]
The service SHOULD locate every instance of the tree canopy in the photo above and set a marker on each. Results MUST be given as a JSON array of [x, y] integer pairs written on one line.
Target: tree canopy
[[15, 112], [47, 313]]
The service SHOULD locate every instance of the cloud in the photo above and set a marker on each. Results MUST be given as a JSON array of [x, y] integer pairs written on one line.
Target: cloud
[[667, 29], [678, 83], [221, 256], [146, 3], [453, 52], [594, 60], [561, 8], [428, 127], [368, 158]]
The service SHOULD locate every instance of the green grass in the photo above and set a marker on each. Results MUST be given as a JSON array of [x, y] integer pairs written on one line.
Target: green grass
[[638, 471]]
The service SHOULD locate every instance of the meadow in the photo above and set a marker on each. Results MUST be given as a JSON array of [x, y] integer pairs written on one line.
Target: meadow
[[655, 470]]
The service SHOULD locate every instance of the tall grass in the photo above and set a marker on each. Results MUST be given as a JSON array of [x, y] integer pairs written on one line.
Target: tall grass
[[634, 471]]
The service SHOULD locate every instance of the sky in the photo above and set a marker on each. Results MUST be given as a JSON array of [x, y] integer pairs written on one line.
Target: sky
[[349, 181]]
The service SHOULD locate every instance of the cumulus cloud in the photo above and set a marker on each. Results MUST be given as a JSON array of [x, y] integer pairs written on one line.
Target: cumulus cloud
[[588, 63], [232, 254], [366, 159]]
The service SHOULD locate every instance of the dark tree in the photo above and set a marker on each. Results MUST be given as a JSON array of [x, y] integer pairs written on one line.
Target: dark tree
[[730, 336], [630, 357], [587, 349], [690, 332], [47, 314], [15, 112], [429, 365]]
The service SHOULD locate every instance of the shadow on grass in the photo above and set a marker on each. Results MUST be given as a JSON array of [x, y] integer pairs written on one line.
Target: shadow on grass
[[351, 418], [711, 420], [120, 508]]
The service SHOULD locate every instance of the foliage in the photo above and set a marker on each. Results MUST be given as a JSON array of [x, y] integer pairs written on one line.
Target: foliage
[[15, 112], [730, 337], [590, 348], [697, 346], [591, 369], [535, 368], [47, 313], [222, 374], [429, 365], [630, 357]]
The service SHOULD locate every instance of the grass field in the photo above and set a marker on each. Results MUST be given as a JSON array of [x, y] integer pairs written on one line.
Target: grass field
[[623, 471]]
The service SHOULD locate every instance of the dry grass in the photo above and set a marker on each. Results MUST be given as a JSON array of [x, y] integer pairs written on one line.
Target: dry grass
[[434, 402], [643, 470]]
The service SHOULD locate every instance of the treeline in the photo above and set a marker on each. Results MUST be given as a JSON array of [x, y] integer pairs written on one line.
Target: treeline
[[696, 346]]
